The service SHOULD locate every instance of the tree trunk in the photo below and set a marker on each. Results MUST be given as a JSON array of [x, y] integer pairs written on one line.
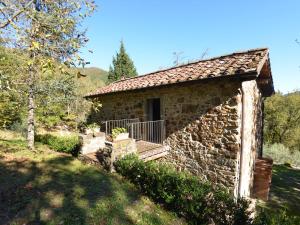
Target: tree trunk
[[30, 119], [31, 82]]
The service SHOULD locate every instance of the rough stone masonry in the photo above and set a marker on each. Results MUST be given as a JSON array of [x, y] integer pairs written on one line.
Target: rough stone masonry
[[203, 124]]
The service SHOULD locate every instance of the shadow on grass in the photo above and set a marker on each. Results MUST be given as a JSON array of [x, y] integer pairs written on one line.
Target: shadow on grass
[[285, 189], [61, 190]]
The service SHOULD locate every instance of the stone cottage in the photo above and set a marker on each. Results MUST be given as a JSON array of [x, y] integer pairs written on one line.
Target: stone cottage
[[212, 111]]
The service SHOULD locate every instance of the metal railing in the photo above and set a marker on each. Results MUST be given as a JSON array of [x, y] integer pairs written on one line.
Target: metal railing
[[109, 125], [151, 131]]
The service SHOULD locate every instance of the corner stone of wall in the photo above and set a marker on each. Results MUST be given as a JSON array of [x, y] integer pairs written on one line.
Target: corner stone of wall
[[114, 151], [262, 178], [92, 142]]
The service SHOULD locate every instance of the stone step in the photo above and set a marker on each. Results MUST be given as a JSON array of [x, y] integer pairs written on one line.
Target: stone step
[[90, 159], [153, 154], [157, 156], [147, 155]]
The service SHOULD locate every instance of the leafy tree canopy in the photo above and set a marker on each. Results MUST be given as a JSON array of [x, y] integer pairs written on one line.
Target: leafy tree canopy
[[59, 99], [11, 85], [48, 31], [282, 119]]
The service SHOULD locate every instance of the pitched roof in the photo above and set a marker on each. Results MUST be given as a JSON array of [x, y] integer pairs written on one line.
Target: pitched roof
[[238, 63]]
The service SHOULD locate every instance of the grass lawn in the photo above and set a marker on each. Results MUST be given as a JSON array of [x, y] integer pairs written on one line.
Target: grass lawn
[[285, 190], [45, 187]]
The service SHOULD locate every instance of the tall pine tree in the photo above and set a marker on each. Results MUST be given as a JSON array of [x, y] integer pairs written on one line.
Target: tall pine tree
[[122, 66]]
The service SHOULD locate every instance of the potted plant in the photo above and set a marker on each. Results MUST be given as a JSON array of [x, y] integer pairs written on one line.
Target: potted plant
[[119, 133], [92, 128]]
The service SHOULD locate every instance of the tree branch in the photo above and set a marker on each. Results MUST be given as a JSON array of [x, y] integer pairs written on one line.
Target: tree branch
[[10, 20]]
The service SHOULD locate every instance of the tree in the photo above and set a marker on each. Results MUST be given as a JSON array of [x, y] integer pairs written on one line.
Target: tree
[[10, 98], [53, 97], [122, 66], [48, 31], [282, 119], [59, 99]]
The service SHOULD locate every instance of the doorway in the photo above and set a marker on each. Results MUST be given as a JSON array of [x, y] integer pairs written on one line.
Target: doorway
[[153, 109]]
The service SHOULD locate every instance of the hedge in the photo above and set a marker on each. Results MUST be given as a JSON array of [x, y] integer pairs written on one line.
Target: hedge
[[67, 144], [197, 201], [268, 217]]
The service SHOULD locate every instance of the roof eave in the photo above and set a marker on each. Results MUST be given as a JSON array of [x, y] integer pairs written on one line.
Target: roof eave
[[250, 75], [265, 78]]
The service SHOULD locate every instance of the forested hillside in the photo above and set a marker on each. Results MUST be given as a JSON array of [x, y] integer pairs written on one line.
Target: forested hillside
[[95, 77], [89, 79], [59, 97], [282, 119], [282, 128]]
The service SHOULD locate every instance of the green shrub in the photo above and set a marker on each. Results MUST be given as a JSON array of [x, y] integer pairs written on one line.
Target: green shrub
[[279, 218], [70, 120], [281, 154], [19, 127], [9, 108], [67, 144], [48, 121], [199, 202], [93, 125]]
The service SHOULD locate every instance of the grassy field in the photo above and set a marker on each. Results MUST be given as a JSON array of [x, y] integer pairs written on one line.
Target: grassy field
[[285, 187], [281, 154], [285, 190], [45, 187]]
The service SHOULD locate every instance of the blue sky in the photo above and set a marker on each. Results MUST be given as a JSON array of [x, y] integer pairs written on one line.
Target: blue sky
[[152, 30]]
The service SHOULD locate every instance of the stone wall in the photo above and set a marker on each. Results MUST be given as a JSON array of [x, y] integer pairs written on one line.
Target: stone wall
[[262, 178], [257, 133], [91, 142], [251, 135], [114, 151], [204, 134], [202, 124], [258, 129]]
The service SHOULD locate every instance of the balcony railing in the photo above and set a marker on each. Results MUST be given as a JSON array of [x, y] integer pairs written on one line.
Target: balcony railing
[[109, 125], [150, 131]]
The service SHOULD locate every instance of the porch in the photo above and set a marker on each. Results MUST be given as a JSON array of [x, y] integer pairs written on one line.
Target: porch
[[146, 139], [148, 135], [146, 131], [146, 151]]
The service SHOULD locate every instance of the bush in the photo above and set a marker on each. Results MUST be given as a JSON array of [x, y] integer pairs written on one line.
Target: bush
[[66, 144], [281, 154], [278, 218], [9, 109], [19, 127], [70, 121], [199, 202]]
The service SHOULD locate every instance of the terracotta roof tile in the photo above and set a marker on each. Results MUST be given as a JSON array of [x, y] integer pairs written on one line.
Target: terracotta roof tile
[[227, 65]]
